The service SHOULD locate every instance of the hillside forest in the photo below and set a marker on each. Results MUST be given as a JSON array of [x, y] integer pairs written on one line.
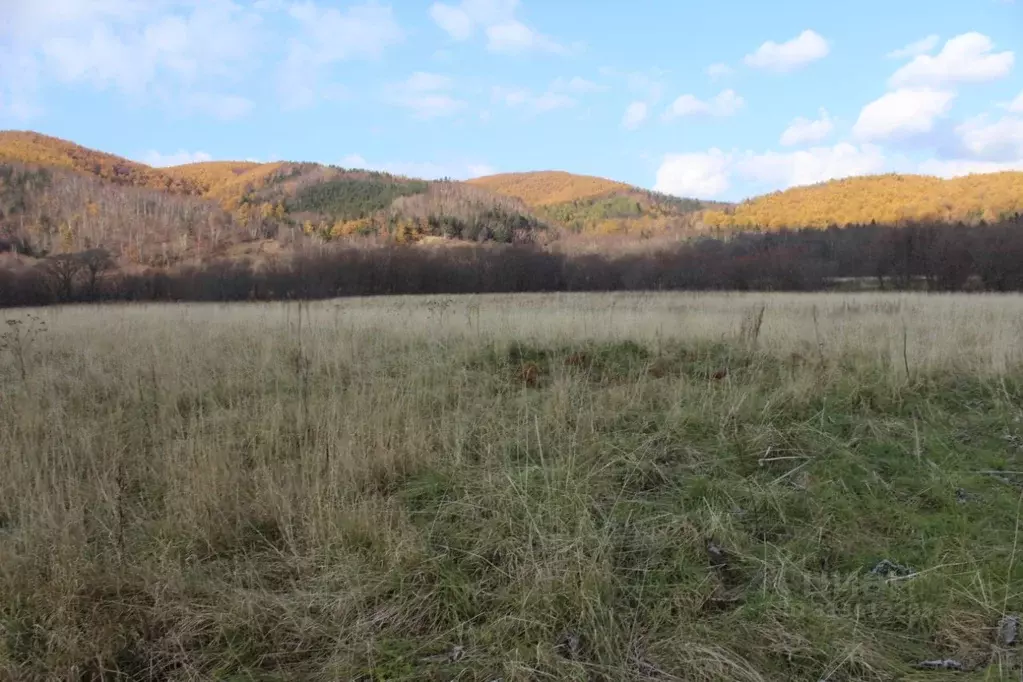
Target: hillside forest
[[79, 225]]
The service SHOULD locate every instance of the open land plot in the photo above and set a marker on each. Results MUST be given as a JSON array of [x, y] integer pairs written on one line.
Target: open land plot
[[590, 487]]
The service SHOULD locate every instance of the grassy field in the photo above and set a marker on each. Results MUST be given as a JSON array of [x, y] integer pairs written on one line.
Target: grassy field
[[585, 487]]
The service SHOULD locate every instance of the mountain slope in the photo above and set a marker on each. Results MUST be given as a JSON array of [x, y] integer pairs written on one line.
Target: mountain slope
[[32, 148], [328, 202], [56, 196], [590, 205], [543, 188], [887, 199], [52, 210]]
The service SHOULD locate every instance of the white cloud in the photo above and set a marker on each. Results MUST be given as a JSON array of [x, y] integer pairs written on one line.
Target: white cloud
[[496, 18], [353, 161], [19, 86], [332, 35], [455, 21], [809, 166], [946, 168], [1016, 105], [711, 173], [805, 48], [649, 86], [426, 95], [478, 170], [514, 37], [328, 36], [806, 131], [137, 48], [702, 174], [635, 114], [902, 113], [997, 141], [560, 94], [725, 103], [966, 58], [922, 46], [719, 70], [178, 158]]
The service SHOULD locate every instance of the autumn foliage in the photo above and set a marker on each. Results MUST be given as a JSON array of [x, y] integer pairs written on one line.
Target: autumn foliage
[[42, 150], [80, 225], [886, 199], [543, 188]]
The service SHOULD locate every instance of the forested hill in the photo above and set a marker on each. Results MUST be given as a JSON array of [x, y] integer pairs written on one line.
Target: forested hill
[[269, 200], [56, 195], [82, 225], [27, 147], [591, 205], [884, 199]]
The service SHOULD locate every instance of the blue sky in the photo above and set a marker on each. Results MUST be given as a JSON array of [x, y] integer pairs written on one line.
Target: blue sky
[[716, 100]]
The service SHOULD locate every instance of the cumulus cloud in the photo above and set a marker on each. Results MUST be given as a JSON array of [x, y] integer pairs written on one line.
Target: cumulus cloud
[[560, 94], [478, 170], [496, 20], [647, 85], [902, 113], [995, 141], [711, 174], [966, 58], [806, 131], [951, 168], [328, 36], [135, 48], [635, 114], [805, 48], [921, 46], [1016, 105], [514, 37], [701, 174], [813, 165], [426, 95], [19, 86], [453, 20], [178, 158], [725, 103]]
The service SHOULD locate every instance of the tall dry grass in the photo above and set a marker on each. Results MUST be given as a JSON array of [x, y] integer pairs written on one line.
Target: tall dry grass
[[366, 489]]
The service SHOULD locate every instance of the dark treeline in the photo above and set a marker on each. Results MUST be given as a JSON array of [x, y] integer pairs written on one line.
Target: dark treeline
[[937, 257]]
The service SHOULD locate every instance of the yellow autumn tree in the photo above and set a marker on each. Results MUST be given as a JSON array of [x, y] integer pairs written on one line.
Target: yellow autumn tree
[[887, 199]]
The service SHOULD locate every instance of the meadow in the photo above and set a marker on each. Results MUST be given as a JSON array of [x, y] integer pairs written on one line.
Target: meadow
[[532, 487]]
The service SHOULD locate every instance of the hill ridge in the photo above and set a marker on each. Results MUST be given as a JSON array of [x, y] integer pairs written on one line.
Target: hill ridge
[[887, 198], [575, 203]]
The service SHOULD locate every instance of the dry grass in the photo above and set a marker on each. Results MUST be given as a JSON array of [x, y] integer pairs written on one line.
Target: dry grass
[[516, 488]]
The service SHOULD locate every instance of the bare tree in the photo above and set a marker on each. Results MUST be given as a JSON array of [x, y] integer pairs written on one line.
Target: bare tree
[[95, 262], [62, 270]]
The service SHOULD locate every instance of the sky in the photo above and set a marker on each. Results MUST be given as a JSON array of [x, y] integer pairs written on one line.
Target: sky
[[721, 100]]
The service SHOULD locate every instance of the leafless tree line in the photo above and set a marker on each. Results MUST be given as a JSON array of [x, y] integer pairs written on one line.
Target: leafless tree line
[[935, 257]]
